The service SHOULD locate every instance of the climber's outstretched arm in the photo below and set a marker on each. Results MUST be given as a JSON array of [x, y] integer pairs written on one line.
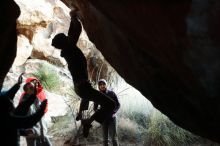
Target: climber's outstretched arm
[[75, 27]]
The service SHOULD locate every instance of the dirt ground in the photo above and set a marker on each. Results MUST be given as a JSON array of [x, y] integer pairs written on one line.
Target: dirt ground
[[66, 132]]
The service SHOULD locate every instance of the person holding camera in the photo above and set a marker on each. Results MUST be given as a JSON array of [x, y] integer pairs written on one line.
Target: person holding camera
[[12, 118], [37, 134]]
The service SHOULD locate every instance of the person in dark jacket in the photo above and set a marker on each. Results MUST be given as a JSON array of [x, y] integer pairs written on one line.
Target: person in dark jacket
[[77, 66], [109, 125], [10, 122]]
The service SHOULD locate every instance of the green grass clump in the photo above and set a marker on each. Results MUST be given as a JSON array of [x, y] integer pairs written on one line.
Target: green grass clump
[[48, 78]]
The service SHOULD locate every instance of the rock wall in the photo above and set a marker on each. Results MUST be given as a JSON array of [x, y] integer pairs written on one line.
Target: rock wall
[[168, 50]]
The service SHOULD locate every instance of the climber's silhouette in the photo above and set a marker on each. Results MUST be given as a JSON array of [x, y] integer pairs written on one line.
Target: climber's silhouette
[[77, 66], [10, 121]]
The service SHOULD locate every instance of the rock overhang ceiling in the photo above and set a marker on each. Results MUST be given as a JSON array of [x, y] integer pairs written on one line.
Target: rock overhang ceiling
[[168, 50]]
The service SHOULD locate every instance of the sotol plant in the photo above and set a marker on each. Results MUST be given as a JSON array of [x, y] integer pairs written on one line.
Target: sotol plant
[[48, 78]]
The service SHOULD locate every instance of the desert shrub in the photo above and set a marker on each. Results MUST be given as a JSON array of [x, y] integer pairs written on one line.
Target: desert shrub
[[128, 130], [163, 132], [139, 118]]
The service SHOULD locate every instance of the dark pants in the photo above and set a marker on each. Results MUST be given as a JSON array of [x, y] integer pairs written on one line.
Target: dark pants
[[85, 91], [109, 130]]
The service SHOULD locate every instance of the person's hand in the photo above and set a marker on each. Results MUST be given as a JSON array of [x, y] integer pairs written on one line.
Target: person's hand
[[79, 116], [43, 104], [74, 12], [30, 133], [20, 78]]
